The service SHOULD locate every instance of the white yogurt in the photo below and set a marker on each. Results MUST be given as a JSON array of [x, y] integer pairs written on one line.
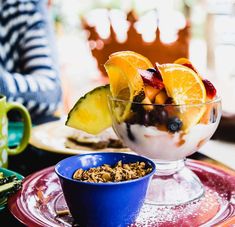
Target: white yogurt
[[163, 145]]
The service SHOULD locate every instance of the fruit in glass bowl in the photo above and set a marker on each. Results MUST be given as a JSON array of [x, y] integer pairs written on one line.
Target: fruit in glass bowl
[[164, 112]]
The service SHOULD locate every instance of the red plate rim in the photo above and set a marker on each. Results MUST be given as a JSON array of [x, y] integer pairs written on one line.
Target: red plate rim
[[33, 221]]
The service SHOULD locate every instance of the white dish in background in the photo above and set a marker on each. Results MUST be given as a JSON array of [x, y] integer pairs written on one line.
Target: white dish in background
[[52, 137], [221, 151]]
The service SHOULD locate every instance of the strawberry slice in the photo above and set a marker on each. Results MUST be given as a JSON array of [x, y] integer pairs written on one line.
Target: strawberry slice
[[157, 71], [152, 77], [210, 89]]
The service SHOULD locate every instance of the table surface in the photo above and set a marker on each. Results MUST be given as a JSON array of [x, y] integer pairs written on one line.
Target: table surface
[[33, 160]]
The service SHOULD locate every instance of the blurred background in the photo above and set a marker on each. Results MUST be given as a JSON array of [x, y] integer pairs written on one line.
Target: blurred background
[[87, 31]]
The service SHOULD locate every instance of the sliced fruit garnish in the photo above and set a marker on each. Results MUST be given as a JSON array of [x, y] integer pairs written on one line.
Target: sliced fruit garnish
[[151, 78], [210, 89], [125, 81], [151, 92], [186, 62], [184, 86], [156, 72], [137, 60], [161, 97], [147, 104], [124, 78], [91, 112]]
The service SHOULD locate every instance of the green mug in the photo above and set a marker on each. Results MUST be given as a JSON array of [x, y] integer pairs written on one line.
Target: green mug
[[5, 107]]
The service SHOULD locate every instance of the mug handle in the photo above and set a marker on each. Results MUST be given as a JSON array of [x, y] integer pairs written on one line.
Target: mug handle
[[27, 127]]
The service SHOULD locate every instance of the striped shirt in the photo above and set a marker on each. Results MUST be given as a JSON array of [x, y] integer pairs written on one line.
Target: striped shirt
[[27, 71]]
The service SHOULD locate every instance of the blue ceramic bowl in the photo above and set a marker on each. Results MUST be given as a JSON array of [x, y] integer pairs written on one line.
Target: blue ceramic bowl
[[115, 204]]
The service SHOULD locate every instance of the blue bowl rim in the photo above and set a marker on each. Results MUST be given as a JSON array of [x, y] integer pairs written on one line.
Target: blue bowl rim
[[111, 183]]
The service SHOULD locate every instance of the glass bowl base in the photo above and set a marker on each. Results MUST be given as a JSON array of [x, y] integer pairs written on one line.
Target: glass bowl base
[[174, 184]]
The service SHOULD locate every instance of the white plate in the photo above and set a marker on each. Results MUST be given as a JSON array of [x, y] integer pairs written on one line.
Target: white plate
[[52, 137]]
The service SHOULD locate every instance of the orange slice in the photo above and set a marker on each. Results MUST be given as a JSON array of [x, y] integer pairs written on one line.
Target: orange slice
[[122, 69], [125, 81], [137, 60], [185, 87], [186, 62], [182, 61]]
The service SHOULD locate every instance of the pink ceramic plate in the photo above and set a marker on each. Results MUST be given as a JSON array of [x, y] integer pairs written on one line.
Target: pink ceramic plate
[[41, 199]]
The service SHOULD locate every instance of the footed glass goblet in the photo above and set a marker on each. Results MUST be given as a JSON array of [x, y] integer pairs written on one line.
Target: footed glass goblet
[[167, 134]]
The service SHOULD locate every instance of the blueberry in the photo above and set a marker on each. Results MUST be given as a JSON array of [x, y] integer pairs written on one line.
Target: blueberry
[[146, 119], [169, 100], [139, 97], [136, 107], [152, 70], [158, 115], [174, 124]]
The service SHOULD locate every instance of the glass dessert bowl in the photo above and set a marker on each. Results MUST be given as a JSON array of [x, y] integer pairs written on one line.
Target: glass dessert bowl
[[165, 112], [167, 134]]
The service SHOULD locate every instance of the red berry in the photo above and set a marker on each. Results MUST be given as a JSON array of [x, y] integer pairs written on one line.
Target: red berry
[[210, 89], [190, 66], [151, 78], [158, 73]]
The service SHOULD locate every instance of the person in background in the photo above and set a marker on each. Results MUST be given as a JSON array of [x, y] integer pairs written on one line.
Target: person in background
[[28, 73]]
